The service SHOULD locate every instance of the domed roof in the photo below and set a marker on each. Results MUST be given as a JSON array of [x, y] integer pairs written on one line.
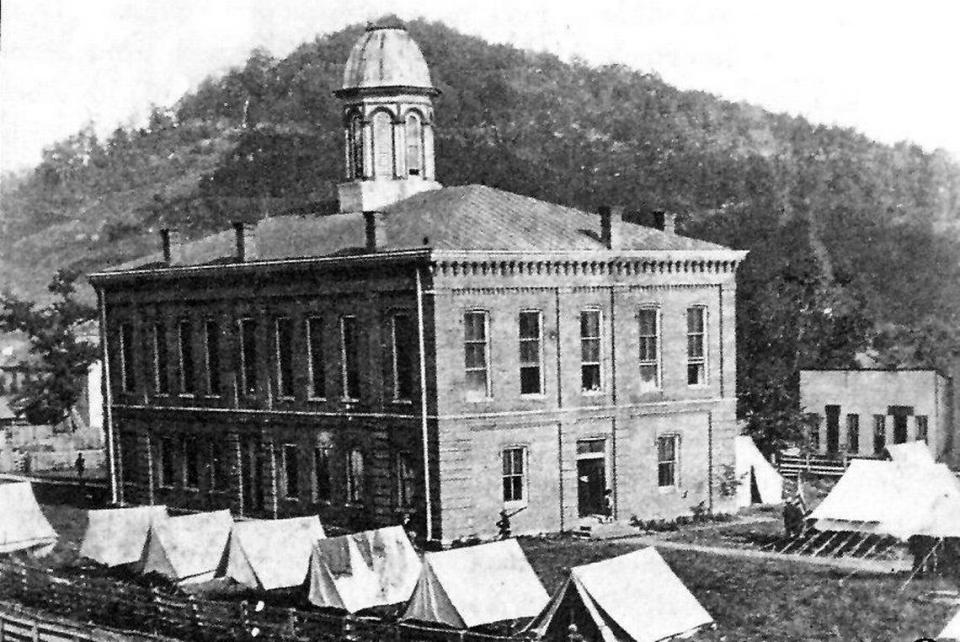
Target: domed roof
[[386, 57]]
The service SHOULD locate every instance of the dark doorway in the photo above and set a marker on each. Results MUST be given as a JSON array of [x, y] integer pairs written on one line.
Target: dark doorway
[[833, 428], [591, 476], [900, 419], [251, 474]]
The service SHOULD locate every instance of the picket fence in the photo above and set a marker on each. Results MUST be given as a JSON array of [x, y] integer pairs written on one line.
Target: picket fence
[[126, 606]]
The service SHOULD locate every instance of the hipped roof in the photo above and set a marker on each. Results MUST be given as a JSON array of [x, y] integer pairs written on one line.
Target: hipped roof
[[462, 218]]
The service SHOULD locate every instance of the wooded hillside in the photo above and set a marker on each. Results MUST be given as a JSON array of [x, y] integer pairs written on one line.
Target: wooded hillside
[[854, 244]]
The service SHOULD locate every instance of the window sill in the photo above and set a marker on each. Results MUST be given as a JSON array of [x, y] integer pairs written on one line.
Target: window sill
[[666, 490], [592, 393], [317, 399], [402, 402], [479, 399], [212, 396], [534, 396], [514, 504]]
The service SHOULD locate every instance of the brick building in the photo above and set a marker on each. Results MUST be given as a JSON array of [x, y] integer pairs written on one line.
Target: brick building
[[861, 412], [448, 352]]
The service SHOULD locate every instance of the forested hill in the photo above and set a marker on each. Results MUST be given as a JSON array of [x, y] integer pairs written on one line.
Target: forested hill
[[853, 242]]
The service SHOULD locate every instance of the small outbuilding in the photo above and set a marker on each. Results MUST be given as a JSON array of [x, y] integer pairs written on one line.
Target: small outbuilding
[[475, 586], [118, 536], [631, 598]]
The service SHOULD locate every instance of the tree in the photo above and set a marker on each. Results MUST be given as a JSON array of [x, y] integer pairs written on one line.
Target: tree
[[59, 357]]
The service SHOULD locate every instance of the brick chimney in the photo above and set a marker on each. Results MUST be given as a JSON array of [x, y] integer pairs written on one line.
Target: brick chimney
[[246, 240], [374, 224], [669, 223], [611, 226], [170, 244]]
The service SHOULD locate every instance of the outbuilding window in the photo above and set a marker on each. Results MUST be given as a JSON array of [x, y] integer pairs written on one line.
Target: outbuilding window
[[922, 428], [879, 434], [853, 433]]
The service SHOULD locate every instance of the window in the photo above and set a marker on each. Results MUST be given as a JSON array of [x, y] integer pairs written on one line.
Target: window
[[349, 358], [649, 319], [192, 463], [355, 146], [531, 377], [291, 471], [318, 376], [321, 471], [922, 428], [853, 433], [403, 466], [382, 145], [475, 348], [219, 471], [160, 374], [165, 461], [668, 447], [354, 477], [414, 137], [813, 425], [283, 332], [879, 434], [187, 379], [127, 379], [590, 350], [514, 465], [211, 356], [696, 340], [128, 457], [404, 352], [248, 357]]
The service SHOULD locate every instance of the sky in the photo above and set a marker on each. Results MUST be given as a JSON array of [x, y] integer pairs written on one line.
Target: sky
[[889, 69]]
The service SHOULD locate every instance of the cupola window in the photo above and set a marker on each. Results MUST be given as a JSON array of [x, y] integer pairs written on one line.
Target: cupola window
[[414, 136], [382, 145], [356, 146]]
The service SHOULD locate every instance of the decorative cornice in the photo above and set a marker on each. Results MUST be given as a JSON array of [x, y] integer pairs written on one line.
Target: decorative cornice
[[621, 266]]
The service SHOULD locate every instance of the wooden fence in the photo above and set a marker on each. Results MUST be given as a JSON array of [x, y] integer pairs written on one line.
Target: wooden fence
[[128, 606], [20, 624], [818, 465]]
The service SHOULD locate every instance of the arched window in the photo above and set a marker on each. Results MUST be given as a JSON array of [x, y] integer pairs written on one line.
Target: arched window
[[354, 476], [414, 137], [356, 146], [382, 145]]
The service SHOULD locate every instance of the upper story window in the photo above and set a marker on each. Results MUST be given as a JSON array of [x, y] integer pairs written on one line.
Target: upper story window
[[404, 353], [349, 358], [161, 375], [128, 379], [355, 476], [514, 474], [315, 361], [283, 336], [476, 349], [211, 356], [696, 346], [649, 320], [668, 457], [185, 342], [531, 372], [291, 471], [355, 147], [414, 138], [248, 357], [382, 145], [590, 323]]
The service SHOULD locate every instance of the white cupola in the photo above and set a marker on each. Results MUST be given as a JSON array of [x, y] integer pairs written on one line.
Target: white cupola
[[387, 120]]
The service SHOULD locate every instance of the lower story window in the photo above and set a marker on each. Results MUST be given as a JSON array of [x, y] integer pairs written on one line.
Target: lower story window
[[192, 461], [354, 477], [405, 480], [514, 468], [291, 471], [165, 461], [321, 470], [879, 434], [668, 450]]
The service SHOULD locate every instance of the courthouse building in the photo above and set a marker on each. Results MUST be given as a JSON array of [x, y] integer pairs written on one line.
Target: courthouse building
[[443, 352]]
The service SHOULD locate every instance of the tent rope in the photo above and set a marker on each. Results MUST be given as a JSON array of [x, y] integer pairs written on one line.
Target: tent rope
[[923, 563]]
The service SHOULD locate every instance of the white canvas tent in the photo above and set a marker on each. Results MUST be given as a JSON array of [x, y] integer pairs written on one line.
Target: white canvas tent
[[755, 473], [118, 536], [892, 498], [476, 585], [952, 630], [363, 570], [268, 554], [911, 452], [22, 525], [189, 548], [631, 598]]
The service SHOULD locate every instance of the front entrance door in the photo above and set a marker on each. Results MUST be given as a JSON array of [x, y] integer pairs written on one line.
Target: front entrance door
[[591, 476], [251, 475], [833, 428]]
